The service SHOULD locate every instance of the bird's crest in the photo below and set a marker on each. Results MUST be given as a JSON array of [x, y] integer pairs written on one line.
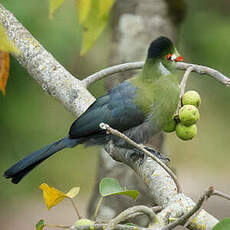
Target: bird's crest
[[159, 47]]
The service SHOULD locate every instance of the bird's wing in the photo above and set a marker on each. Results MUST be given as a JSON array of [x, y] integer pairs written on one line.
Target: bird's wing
[[117, 108]]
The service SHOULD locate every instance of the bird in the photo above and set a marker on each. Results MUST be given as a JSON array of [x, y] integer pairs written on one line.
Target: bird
[[138, 107]]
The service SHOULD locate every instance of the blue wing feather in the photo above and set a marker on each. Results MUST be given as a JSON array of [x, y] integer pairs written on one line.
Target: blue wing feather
[[116, 108]]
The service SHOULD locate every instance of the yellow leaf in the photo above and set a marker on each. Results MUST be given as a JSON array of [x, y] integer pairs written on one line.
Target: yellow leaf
[[4, 70], [73, 192], [105, 6], [83, 7], [51, 195], [54, 5], [95, 23], [6, 44]]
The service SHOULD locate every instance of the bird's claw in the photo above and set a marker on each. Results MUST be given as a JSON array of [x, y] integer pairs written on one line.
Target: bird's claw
[[157, 154]]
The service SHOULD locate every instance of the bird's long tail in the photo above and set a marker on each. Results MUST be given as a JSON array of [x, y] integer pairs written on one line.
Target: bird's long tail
[[28, 163]]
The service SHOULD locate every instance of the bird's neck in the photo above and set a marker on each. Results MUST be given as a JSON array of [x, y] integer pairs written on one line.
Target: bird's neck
[[153, 69], [157, 92]]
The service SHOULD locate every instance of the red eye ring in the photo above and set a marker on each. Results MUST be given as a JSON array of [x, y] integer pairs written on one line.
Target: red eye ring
[[169, 57]]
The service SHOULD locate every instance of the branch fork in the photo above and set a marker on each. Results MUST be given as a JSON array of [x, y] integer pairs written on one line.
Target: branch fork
[[185, 220]]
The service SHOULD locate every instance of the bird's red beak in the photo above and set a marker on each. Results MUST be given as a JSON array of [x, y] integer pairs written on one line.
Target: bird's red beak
[[180, 58]]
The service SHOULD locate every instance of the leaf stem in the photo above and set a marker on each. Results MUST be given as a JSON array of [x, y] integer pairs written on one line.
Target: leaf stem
[[56, 226], [97, 208], [75, 208]]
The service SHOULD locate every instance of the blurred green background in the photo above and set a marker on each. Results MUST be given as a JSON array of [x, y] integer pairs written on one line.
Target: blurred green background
[[30, 119]]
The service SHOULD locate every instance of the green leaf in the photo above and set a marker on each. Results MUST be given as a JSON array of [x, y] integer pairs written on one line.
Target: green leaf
[[6, 45], [111, 186], [130, 224], [222, 225], [93, 22], [83, 7], [40, 225], [54, 5]]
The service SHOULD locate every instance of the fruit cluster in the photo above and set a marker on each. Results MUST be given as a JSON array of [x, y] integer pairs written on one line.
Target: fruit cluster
[[188, 116]]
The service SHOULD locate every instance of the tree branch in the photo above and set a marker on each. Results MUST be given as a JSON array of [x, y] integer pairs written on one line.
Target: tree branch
[[111, 70], [112, 131], [161, 186], [139, 65], [103, 226], [221, 194], [155, 209], [186, 219], [205, 70], [42, 66], [189, 216], [130, 211], [195, 209]]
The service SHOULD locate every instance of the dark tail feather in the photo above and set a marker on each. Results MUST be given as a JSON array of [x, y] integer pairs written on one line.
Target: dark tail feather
[[24, 166]]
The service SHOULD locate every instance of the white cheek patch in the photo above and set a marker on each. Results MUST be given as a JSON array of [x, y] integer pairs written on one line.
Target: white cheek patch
[[163, 70], [173, 57]]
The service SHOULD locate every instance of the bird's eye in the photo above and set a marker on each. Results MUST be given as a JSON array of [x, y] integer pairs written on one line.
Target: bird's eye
[[169, 57]]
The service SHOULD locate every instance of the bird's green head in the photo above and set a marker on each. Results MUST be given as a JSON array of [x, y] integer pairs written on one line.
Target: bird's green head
[[163, 51]]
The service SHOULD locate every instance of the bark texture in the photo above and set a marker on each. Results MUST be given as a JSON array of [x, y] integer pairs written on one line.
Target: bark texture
[[42, 66]]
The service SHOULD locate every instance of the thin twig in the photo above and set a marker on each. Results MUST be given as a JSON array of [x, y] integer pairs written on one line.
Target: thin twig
[[157, 209], [221, 194], [111, 70], [185, 217], [139, 147], [139, 65], [182, 89], [184, 80], [126, 213], [214, 193], [56, 226], [193, 216], [97, 208], [75, 208], [154, 209], [205, 70]]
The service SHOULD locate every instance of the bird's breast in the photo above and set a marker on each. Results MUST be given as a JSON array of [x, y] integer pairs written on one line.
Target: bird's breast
[[159, 100], [166, 101]]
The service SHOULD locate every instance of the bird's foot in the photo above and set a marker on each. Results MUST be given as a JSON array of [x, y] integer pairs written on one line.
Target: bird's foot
[[136, 155], [157, 154], [139, 155]]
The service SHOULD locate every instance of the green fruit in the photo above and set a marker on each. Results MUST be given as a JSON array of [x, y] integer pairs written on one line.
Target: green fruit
[[84, 222], [189, 115], [170, 125], [191, 98], [186, 132]]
